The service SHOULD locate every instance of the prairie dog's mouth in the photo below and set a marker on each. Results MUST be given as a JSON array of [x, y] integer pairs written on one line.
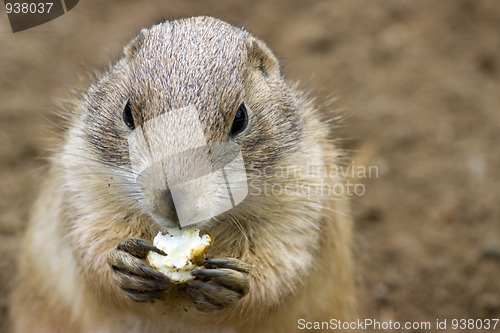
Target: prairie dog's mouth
[[165, 224]]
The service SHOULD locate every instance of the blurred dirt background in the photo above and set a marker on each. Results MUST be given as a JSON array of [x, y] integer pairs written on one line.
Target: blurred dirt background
[[420, 84]]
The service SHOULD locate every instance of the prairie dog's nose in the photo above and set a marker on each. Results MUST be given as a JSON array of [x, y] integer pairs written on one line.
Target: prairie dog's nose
[[165, 206]]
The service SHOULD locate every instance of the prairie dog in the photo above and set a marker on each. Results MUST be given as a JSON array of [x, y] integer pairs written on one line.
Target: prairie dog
[[282, 254]]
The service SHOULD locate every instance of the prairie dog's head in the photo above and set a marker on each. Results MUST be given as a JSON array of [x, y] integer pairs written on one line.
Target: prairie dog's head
[[186, 98]]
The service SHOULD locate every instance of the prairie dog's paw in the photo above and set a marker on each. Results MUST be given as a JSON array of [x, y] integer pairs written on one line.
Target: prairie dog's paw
[[220, 284], [134, 276]]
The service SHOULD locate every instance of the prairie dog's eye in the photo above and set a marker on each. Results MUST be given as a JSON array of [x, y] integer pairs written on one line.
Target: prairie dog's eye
[[127, 116], [240, 120]]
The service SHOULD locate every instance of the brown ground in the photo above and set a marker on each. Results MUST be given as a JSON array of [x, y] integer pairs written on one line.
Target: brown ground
[[419, 79]]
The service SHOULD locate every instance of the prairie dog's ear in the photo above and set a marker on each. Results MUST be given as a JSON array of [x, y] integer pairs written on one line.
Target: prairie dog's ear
[[131, 49], [261, 57]]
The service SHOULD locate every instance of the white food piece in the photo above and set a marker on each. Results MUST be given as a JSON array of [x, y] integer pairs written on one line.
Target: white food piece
[[182, 247]]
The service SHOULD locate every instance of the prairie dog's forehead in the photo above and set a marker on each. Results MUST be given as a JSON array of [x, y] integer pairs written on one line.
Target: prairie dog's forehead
[[198, 61]]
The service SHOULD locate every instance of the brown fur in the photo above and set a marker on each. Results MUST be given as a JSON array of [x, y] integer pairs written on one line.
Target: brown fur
[[298, 246]]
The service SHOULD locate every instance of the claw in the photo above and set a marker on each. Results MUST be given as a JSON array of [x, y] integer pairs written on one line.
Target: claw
[[139, 283], [121, 261], [229, 263], [142, 296], [215, 295], [228, 278], [201, 301], [220, 283], [138, 248]]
